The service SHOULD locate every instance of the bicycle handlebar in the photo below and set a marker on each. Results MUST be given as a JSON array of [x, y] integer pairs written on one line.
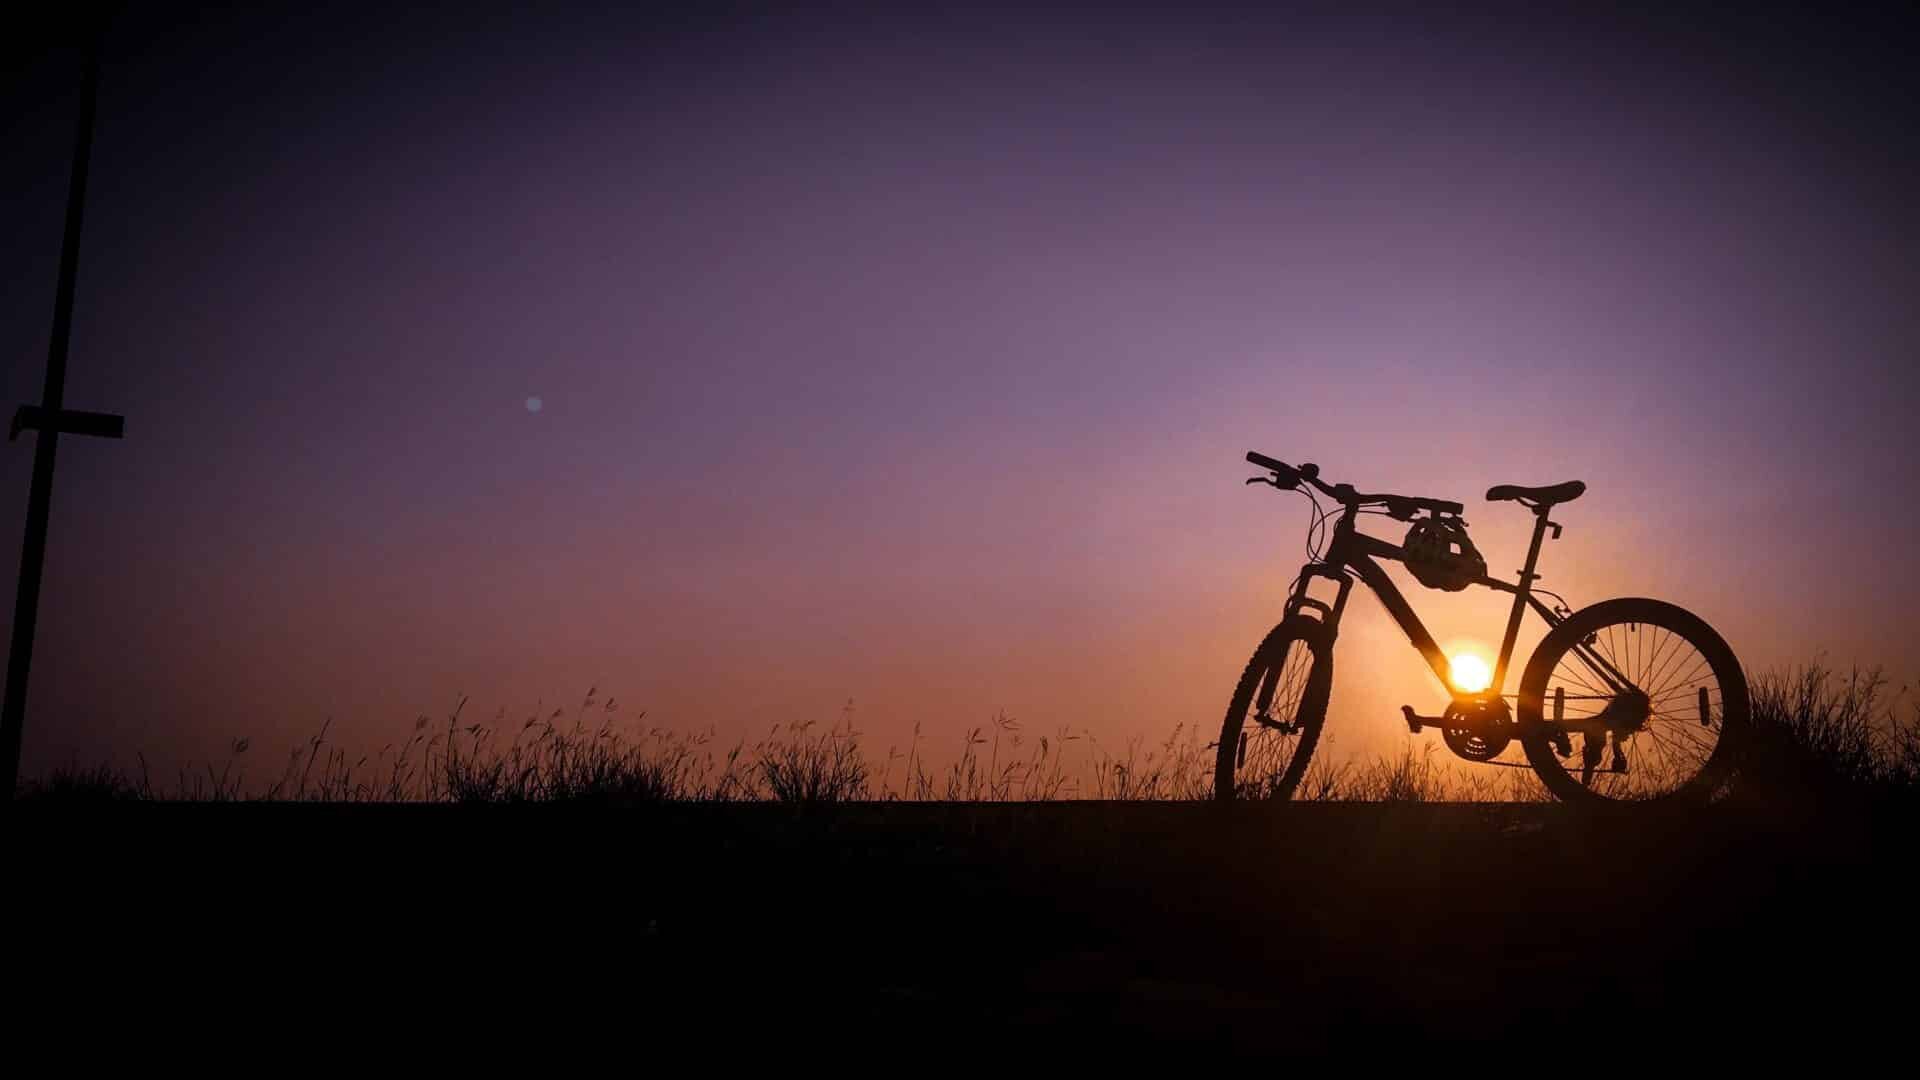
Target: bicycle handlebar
[[1287, 477], [1280, 469]]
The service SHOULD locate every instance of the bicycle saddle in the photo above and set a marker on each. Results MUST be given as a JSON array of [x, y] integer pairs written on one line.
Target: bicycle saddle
[[1545, 496]]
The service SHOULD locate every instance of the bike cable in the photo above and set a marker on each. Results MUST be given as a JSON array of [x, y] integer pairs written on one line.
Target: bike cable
[[1316, 531]]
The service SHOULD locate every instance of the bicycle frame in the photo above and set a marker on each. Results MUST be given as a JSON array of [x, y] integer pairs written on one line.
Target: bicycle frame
[[1353, 553]]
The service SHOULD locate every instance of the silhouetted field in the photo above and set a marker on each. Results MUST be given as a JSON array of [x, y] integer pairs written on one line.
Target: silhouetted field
[[1818, 735], [1775, 921]]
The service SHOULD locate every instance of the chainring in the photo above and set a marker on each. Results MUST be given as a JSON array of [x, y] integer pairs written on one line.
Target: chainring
[[1483, 733], [1474, 745]]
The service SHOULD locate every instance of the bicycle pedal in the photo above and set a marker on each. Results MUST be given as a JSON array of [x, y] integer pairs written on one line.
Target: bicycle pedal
[[1266, 721], [1415, 721]]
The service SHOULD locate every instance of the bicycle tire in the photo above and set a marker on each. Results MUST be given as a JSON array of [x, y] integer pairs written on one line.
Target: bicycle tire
[[1728, 718], [1268, 674]]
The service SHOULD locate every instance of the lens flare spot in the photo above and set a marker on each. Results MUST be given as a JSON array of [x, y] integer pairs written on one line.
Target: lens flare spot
[[1469, 673], [534, 404]]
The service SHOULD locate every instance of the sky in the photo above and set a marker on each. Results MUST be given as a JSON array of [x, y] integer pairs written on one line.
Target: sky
[[910, 359]]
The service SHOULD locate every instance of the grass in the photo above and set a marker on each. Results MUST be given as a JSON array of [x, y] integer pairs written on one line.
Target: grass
[[1821, 737], [1818, 737]]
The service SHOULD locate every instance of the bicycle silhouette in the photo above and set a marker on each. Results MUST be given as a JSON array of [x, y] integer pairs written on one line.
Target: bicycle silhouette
[[1649, 680]]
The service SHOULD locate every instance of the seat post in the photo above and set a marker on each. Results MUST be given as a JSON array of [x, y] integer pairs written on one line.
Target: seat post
[[1520, 595]]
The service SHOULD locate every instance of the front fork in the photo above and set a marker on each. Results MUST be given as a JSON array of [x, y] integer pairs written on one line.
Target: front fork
[[1319, 681], [1329, 613]]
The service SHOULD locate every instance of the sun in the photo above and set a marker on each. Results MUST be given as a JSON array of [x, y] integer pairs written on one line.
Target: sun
[[1470, 674]]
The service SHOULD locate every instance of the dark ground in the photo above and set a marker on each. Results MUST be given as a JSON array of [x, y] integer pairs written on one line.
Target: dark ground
[[1344, 929]]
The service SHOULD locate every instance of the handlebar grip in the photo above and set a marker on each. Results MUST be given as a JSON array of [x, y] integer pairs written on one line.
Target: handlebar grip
[[1266, 462]]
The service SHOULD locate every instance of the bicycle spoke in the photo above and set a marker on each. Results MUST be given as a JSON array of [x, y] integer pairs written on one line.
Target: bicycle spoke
[[1571, 675], [1683, 694], [1678, 733], [1693, 675], [1677, 656], [1608, 657], [1661, 658], [1574, 676]]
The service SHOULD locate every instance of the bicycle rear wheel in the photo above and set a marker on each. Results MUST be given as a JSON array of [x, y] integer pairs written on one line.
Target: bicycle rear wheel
[[1633, 701], [1274, 720]]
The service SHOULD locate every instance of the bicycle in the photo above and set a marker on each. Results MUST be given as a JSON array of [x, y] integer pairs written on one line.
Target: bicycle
[[1646, 678]]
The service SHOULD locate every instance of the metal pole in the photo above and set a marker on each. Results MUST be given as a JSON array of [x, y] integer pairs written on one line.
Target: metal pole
[[33, 549]]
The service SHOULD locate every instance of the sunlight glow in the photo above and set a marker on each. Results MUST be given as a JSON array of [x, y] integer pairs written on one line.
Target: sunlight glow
[[1470, 673]]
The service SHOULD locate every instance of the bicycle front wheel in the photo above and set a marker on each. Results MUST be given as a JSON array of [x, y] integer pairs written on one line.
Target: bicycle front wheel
[[1633, 701], [1274, 720]]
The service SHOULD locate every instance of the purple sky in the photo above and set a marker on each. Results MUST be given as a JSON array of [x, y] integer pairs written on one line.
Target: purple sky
[[912, 360]]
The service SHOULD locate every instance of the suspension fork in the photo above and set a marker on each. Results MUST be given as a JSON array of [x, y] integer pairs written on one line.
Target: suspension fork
[[1329, 613], [1329, 618]]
